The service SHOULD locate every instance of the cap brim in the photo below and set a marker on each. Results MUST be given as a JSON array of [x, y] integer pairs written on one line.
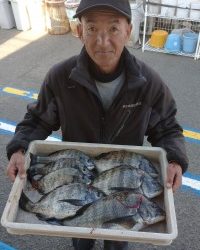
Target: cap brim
[[81, 12]]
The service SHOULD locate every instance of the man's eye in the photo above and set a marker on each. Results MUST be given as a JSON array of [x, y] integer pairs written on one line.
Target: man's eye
[[114, 30], [91, 29]]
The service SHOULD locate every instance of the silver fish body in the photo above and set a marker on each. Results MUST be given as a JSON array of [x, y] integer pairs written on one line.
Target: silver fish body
[[124, 178], [112, 159], [44, 169], [150, 186], [119, 178], [66, 153], [118, 206], [58, 178], [62, 202]]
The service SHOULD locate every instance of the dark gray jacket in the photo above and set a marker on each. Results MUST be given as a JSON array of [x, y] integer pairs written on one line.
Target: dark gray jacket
[[69, 100]]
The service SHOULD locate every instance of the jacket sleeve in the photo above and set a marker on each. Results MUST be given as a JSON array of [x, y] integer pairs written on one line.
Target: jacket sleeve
[[39, 121], [163, 129]]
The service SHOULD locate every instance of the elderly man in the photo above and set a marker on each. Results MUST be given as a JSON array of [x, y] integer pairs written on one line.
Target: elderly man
[[103, 95]]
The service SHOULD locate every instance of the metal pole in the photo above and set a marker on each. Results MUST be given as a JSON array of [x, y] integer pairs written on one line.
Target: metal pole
[[145, 23], [197, 53]]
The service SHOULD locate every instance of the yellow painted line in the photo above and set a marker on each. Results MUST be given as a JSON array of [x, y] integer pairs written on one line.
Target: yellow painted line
[[15, 91], [20, 92], [191, 134]]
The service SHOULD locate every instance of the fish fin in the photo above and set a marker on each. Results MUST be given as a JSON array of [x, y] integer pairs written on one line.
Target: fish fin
[[81, 210], [33, 159], [41, 217], [138, 226], [35, 170], [109, 225], [52, 221], [74, 202], [25, 203], [121, 188], [102, 155], [29, 176]]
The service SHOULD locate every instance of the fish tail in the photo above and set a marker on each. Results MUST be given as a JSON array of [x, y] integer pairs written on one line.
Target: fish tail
[[25, 203], [31, 172], [35, 159]]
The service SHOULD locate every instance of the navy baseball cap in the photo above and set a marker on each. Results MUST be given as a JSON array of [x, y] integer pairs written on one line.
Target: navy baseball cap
[[121, 6]]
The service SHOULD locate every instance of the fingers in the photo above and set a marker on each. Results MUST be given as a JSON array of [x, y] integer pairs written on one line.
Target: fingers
[[174, 176], [16, 166], [11, 171], [177, 182]]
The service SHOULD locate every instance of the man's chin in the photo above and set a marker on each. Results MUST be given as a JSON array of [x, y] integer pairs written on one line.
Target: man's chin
[[106, 69]]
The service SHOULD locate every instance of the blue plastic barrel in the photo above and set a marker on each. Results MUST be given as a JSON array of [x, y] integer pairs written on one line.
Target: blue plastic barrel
[[173, 43], [189, 42]]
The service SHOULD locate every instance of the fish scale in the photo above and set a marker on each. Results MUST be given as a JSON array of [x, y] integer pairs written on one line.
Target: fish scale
[[106, 161], [119, 205], [62, 202], [126, 177], [119, 177], [60, 163], [58, 178], [66, 153], [108, 208]]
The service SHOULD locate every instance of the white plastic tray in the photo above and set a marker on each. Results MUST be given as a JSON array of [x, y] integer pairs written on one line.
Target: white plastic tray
[[17, 221]]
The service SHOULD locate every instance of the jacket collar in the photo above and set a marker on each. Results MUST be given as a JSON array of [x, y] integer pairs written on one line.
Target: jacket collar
[[80, 73]]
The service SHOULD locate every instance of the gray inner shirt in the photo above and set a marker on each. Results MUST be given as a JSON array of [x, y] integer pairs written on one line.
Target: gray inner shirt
[[109, 90]]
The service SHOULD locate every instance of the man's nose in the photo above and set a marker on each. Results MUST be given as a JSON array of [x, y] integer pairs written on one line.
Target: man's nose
[[103, 38]]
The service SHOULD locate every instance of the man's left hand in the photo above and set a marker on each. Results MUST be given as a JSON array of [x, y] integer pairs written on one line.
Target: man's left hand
[[174, 176]]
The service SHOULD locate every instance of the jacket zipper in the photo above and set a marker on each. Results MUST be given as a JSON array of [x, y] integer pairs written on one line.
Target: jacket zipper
[[102, 129], [102, 122], [120, 126]]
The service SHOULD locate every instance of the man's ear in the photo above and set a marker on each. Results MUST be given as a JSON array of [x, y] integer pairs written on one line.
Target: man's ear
[[80, 31], [129, 31]]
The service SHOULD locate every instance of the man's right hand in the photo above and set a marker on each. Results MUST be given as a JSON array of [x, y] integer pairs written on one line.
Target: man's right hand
[[16, 165]]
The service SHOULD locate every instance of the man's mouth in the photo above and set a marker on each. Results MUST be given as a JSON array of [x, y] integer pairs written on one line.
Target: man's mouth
[[103, 52]]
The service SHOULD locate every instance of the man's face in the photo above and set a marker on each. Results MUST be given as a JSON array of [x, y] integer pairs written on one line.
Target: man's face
[[104, 34]]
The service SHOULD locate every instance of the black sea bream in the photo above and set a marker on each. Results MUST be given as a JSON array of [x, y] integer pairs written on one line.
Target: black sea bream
[[118, 206], [66, 153], [125, 177], [106, 161], [62, 202]]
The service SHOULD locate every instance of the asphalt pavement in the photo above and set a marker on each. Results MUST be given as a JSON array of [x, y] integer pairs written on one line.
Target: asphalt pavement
[[25, 58]]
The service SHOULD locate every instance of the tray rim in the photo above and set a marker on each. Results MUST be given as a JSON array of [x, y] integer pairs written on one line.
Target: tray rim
[[83, 232]]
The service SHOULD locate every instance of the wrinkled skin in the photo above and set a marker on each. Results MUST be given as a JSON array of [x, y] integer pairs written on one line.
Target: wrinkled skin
[[104, 34]]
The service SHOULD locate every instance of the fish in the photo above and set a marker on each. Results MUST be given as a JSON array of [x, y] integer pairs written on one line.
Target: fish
[[125, 177], [62, 202], [106, 161], [44, 169], [120, 205], [150, 187], [118, 178], [57, 178], [80, 156]]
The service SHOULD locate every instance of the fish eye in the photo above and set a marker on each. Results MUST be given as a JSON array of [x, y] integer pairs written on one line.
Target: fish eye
[[98, 194], [89, 182], [84, 169]]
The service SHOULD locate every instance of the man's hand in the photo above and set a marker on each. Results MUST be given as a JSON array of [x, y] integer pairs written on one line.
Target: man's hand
[[174, 176], [16, 165]]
